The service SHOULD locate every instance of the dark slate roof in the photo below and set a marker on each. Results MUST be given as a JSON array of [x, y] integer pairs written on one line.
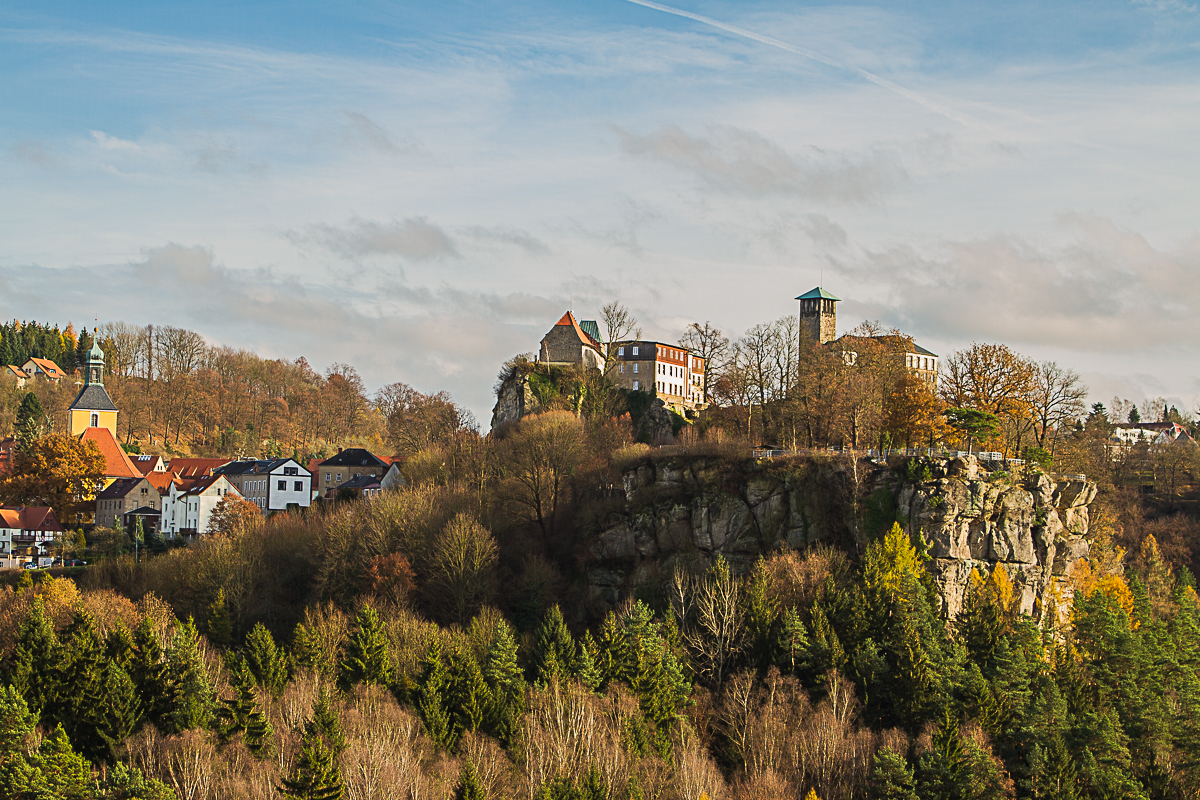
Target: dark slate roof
[[817, 294], [353, 457], [360, 482], [118, 488], [93, 397], [250, 466], [921, 351]]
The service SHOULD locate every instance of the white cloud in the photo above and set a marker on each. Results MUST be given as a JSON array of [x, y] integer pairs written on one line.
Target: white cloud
[[415, 238], [733, 160]]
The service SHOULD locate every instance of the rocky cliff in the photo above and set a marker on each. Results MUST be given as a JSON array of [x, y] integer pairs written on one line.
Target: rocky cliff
[[688, 510]]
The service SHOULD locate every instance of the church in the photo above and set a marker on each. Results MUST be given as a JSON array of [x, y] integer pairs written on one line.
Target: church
[[93, 418], [818, 325]]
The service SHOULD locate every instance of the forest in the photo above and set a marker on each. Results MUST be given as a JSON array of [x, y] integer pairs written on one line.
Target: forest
[[438, 641]]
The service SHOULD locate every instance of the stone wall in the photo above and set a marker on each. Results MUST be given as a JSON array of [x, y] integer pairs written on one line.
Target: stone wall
[[686, 511]]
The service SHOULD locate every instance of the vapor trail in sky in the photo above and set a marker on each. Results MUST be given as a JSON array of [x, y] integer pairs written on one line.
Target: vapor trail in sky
[[937, 108]]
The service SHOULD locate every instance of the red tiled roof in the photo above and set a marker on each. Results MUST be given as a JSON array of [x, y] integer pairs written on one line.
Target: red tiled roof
[[30, 518], [568, 319], [194, 467], [146, 464], [49, 367], [162, 481], [15, 370], [118, 464]]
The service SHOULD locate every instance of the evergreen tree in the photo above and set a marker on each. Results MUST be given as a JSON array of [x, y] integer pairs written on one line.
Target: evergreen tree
[[267, 661], [190, 691], [148, 671], [507, 684], [128, 783], [31, 421], [764, 629], [593, 786], [81, 705], [121, 712], [891, 777], [554, 650], [33, 667], [468, 698], [366, 659], [469, 785], [60, 772], [242, 713], [118, 646], [589, 674], [431, 698], [220, 627], [317, 774]]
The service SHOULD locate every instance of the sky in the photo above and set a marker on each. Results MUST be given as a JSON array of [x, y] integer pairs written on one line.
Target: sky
[[422, 189]]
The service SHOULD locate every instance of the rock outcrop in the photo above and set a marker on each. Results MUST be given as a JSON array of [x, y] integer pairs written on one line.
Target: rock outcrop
[[687, 511], [514, 399]]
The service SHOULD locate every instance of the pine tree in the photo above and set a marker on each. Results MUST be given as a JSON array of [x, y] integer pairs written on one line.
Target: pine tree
[[317, 774], [507, 684], [267, 661], [220, 627], [762, 620], [190, 690], [242, 713], [469, 785], [468, 698], [593, 786], [589, 675], [81, 702], [366, 659], [148, 671], [62, 773], [118, 646], [31, 421], [554, 650], [33, 667], [891, 777], [431, 701], [121, 711]]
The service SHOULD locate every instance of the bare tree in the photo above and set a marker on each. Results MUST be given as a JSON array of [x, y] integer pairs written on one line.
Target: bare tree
[[1057, 396], [710, 610], [464, 558], [619, 325], [538, 461], [711, 345]]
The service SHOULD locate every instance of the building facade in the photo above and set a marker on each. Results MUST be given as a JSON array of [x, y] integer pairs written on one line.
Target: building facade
[[569, 342], [673, 373], [27, 534], [125, 495], [272, 484], [188, 507], [347, 464]]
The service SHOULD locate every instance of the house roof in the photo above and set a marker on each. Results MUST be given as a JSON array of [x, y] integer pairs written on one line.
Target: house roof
[[117, 464], [148, 464], [360, 482], [194, 467], [817, 294], [30, 518], [93, 397], [162, 481], [194, 486], [909, 345], [568, 320], [143, 511], [119, 488], [15, 370], [253, 466], [590, 327], [49, 367], [354, 457]]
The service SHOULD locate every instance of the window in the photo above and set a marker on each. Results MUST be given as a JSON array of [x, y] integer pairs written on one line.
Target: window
[[621, 368], [283, 486], [95, 421], [290, 471], [635, 369], [635, 351], [620, 351], [339, 477], [299, 486], [635, 386], [328, 476]]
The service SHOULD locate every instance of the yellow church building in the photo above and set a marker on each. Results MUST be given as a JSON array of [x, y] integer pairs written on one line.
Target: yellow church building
[[93, 408]]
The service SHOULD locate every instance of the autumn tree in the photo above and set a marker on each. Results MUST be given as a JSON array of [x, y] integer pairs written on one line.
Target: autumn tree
[[417, 421], [538, 460], [619, 325], [710, 344], [1056, 399], [232, 515], [57, 471], [463, 560], [913, 413]]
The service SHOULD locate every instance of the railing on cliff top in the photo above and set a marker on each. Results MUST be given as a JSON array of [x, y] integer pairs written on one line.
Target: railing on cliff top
[[925, 452]]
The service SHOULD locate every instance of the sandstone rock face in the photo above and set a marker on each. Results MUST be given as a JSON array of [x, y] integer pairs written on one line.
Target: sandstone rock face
[[687, 511], [514, 399]]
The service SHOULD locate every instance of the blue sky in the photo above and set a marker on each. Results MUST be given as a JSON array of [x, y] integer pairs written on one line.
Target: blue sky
[[421, 189]]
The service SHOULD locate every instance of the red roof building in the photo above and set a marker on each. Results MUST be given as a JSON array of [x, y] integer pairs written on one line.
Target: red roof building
[[24, 532], [117, 463]]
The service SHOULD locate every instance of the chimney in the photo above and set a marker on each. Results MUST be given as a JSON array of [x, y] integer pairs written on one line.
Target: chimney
[[339, 449]]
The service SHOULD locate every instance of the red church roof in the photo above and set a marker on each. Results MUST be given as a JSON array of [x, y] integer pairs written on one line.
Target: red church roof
[[117, 463]]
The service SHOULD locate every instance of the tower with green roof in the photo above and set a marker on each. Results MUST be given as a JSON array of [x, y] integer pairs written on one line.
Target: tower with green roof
[[93, 408], [818, 316]]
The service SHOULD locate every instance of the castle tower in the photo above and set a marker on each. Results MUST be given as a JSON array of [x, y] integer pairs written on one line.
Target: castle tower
[[818, 317], [93, 408]]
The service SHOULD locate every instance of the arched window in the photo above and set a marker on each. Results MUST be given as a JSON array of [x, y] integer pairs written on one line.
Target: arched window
[[95, 420]]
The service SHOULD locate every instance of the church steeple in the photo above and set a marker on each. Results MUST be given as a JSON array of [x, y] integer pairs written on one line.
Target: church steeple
[[93, 408]]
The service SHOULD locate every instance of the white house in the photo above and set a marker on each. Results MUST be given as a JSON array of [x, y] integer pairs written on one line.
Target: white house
[[188, 507], [272, 484], [25, 532]]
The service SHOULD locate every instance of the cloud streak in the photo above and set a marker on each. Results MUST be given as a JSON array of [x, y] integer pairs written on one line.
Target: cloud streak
[[916, 97]]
